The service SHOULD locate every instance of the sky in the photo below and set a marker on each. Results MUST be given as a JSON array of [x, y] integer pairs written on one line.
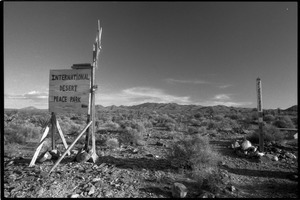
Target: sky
[[200, 53]]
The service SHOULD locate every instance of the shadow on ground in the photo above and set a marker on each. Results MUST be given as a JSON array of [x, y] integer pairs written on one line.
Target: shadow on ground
[[258, 173]]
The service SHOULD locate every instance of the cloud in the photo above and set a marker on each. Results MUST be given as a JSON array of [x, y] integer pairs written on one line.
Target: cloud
[[170, 80], [139, 95], [225, 103], [32, 95], [222, 97], [225, 86]]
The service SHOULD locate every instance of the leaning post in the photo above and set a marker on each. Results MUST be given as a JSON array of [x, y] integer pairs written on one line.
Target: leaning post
[[260, 114]]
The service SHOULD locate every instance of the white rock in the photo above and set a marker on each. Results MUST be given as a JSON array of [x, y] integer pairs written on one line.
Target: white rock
[[92, 190], [75, 195], [179, 190], [290, 155], [275, 158], [246, 144], [45, 156], [260, 154]]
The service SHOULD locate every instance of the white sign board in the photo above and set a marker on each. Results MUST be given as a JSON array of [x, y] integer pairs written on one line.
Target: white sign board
[[69, 91]]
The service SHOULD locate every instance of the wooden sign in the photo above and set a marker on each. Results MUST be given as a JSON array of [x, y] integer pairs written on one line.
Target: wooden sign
[[69, 91]]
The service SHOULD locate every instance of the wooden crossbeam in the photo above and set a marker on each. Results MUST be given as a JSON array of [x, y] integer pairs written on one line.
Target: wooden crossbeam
[[70, 147]]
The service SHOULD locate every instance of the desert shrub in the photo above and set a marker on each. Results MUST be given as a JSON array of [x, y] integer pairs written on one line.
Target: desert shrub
[[170, 126], [237, 116], [195, 122], [194, 151], [198, 115], [218, 117], [207, 179], [268, 118], [21, 133], [148, 124], [284, 122], [270, 133], [214, 125], [111, 125], [112, 143], [130, 136], [192, 130]]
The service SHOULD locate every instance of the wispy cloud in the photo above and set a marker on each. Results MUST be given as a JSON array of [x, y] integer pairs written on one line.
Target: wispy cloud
[[32, 95], [225, 86], [138, 95], [222, 97], [170, 80], [225, 103]]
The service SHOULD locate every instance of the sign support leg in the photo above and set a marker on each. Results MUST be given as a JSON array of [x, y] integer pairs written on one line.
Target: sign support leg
[[53, 124], [70, 147]]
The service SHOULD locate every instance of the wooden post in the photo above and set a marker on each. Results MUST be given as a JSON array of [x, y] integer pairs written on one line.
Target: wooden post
[[94, 155], [37, 151], [260, 114], [70, 147], [53, 129], [87, 137]]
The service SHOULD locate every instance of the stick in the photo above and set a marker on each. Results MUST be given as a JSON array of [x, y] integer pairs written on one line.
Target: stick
[[70, 147]]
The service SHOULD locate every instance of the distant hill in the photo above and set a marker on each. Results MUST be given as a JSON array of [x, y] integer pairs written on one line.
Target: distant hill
[[292, 109], [29, 108], [175, 108]]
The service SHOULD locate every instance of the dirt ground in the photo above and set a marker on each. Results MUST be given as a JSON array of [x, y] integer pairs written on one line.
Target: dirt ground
[[144, 171]]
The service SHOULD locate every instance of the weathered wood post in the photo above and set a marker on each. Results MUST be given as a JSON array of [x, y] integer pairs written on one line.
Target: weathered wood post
[[53, 129], [260, 114]]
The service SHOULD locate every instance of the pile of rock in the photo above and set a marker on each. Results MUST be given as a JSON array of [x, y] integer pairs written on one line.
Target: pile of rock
[[245, 149], [272, 150]]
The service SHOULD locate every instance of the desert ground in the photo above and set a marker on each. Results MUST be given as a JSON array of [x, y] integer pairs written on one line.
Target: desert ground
[[155, 151]]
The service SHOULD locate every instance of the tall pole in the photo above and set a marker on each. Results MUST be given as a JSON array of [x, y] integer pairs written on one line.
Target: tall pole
[[260, 114]]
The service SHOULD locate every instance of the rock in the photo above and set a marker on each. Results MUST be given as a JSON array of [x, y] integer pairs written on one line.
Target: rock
[[55, 154], [159, 143], [179, 190], [270, 156], [232, 188], [236, 145], [207, 195], [10, 163], [252, 149], [141, 143], [275, 158], [290, 155], [74, 151], [45, 156], [135, 150], [92, 190], [246, 144], [96, 179], [83, 156], [260, 154], [74, 196]]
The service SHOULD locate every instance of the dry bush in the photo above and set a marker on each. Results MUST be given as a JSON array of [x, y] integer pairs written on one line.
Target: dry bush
[[284, 122], [193, 150], [270, 133], [196, 153], [130, 136], [112, 143], [21, 133]]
